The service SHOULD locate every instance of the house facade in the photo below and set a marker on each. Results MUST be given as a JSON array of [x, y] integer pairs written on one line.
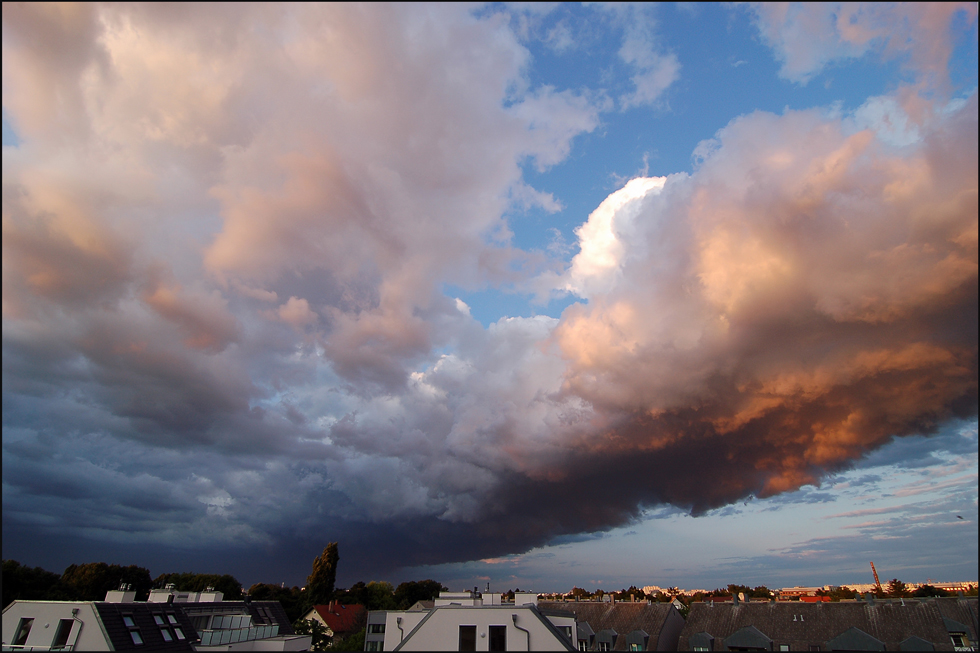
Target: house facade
[[168, 621], [339, 620], [469, 621]]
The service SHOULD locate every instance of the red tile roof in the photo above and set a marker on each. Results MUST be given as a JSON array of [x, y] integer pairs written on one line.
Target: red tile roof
[[342, 618]]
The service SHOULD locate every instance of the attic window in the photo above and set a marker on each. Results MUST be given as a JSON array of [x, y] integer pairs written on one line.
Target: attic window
[[158, 618], [23, 630], [167, 637], [137, 638], [128, 621], [172, 618], [960, 642], [179, 633]]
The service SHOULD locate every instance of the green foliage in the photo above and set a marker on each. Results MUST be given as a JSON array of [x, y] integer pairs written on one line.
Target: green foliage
[[191, 582], [408, 593], [316, 630], [292, 599], [91, 581], [929, 590], [897, 588], [320, 583], [376, 595], [27, 584], [353, 642]]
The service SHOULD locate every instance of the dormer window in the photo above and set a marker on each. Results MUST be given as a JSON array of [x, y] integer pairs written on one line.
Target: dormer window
[[134, 632]]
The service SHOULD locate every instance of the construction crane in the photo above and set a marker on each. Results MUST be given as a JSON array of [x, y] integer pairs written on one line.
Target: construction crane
[[877, 582]]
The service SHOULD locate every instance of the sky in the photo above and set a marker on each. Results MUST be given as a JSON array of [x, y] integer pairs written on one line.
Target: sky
[[533, 295]]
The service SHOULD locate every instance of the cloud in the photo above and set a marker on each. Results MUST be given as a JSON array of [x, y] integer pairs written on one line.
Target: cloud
[[654, 69], [223, 254], [807, 38]]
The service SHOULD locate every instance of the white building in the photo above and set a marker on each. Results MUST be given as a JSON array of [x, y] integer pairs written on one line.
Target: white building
[[467, 621], [169, 621]]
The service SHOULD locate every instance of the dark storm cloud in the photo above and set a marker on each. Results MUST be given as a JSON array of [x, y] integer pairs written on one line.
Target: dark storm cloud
[[223, 326]]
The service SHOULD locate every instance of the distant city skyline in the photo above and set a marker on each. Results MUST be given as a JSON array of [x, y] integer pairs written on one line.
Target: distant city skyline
[[534, 295]]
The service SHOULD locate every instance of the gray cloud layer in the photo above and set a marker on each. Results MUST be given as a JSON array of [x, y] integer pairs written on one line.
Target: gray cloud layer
[[224, 236]]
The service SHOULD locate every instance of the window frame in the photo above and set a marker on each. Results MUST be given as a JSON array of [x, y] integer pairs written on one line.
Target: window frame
[[22, 633], [62, 630], [495, 632], [467, 628]]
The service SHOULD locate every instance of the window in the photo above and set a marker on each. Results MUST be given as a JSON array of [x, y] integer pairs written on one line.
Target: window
[[158, 618], [467, 638], [61, 635], [566, 631], [583, 645], [498, 638], [635, 647], [172, 618], [373, 646], [200, 622], [167, 637], [603, 646], [784, 647], [23, 630], [134, 632], [960, 641], [376, 628], [179, 632]]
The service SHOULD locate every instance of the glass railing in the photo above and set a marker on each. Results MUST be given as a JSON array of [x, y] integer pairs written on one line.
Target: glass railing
[[233, 635]]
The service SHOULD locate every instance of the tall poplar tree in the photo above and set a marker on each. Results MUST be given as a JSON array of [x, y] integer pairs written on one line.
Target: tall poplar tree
[[319, 584]]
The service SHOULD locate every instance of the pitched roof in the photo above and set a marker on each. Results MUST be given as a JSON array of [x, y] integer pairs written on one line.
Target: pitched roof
[[342, 618], [801, 625], [623, 618], [111, 615]]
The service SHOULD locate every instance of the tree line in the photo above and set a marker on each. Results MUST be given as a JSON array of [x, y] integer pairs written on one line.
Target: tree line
[[91, 581]]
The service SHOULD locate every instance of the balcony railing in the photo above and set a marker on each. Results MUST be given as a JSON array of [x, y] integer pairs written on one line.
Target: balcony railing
[[232, 635]]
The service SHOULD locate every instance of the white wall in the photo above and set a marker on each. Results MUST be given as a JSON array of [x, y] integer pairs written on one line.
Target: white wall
[[441, 631], [87, 635], [410, 620]]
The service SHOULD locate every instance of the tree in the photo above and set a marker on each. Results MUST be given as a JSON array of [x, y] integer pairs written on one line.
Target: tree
[[317, 631], [320, 583], [408, 593], [91, 581], [27, 584], [292, 599], [191, 582], [896, 588], [929, 590], [353, 642]]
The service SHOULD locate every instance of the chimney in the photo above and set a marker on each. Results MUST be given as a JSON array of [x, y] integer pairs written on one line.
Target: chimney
[[735, 600]]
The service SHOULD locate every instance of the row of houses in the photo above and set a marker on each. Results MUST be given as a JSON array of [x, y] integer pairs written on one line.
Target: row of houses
[[168, 621], [469, 621]]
